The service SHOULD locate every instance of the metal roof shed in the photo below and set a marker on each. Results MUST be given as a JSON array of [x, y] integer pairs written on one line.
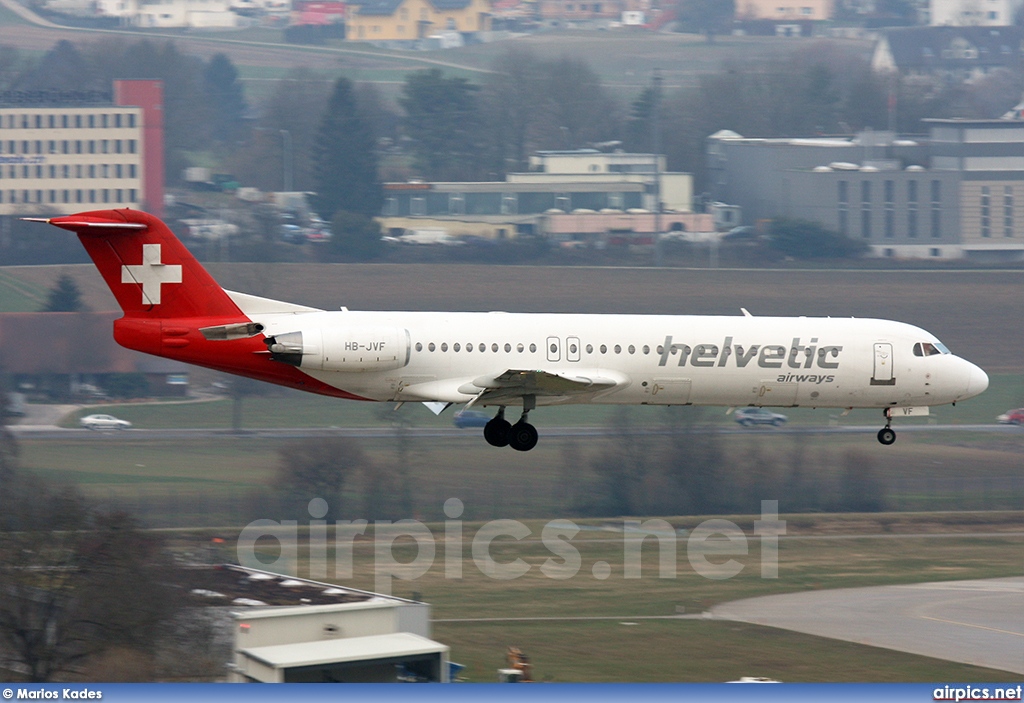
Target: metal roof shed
[[370, 659]]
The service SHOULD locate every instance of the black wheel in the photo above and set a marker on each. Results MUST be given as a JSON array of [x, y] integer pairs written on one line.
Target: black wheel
[[886, 436], [523, 436], [777, 423], [497, 431]]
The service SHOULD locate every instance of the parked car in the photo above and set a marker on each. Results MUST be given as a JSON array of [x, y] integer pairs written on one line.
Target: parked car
[[104, 422], [759, 416], [1012, 417], [470, 418]]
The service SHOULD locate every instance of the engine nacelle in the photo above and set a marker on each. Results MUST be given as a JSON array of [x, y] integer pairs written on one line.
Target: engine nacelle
[[349, 349]]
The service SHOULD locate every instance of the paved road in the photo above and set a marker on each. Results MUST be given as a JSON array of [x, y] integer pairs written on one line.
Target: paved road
[[52, 432], [976, 622]]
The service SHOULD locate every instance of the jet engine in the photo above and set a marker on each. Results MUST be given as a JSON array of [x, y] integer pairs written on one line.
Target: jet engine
[[349, 349]]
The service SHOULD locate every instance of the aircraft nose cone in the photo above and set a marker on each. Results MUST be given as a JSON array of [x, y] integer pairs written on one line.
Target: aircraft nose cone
[[977, 381]]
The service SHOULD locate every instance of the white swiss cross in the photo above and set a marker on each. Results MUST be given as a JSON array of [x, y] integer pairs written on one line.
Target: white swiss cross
[[151, 274]]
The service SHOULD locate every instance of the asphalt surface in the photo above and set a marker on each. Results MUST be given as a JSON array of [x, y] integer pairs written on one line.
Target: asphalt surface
[[975, 622], [53, 432]]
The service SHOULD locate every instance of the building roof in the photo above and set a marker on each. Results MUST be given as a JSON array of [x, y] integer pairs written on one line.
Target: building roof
[[450, 4], [386, 8], [948, 48], [396, 644], [378, 8]]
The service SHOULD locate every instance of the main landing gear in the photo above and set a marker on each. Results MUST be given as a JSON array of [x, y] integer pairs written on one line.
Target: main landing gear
[[887, 435], [521, 436]]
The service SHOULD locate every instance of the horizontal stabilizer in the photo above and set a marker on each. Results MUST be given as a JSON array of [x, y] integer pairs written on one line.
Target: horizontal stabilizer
[[74, 223]]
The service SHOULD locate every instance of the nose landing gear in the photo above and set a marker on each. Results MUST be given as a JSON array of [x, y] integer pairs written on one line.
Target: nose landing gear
[[887, 435]]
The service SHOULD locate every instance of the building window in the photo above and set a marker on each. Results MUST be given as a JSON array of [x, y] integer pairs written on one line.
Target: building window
[[418, 206], [131, 146], [890, 211], [936, 209], [509, 204], [986, 212], [92, 120], [131, 170], [912, 209], [131, 120], [1008, 211], [865, 209], [456, 204]]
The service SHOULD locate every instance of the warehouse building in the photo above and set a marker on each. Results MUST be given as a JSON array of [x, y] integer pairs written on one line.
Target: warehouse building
[[957, 193]]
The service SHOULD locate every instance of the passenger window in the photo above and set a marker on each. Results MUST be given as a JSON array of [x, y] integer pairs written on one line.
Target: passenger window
[[469, 347], [519, 347], [483, 347], [419, 346], [632, 349], [618, 349], [647, 349], [604, 349], [431, 346], [444, 346], [456, 347], [590, 348], [508, 347], [533, 348]]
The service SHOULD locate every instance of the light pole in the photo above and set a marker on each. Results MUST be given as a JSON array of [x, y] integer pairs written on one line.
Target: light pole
[[659, 251], [287, 158]]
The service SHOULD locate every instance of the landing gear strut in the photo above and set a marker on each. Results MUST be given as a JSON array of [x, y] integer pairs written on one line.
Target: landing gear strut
[[521, 436], [887, 435]]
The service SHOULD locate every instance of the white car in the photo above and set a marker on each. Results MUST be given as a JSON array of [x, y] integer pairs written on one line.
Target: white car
[[104, 422], [759, 416]]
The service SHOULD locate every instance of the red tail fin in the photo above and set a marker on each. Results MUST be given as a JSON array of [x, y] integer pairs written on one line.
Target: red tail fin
[[148, 269]]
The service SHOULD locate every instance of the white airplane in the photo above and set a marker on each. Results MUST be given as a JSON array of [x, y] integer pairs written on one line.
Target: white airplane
[[173, 308]]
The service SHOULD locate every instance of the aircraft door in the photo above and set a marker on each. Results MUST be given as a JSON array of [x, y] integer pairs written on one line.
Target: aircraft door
[[554, 347], [883, 373], [572, 349]]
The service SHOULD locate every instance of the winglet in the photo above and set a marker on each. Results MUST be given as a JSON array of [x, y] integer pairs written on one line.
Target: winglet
[[746, 313]]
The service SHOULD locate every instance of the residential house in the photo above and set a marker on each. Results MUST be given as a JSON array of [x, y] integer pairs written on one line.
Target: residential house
[[413, 20], [952, 54]]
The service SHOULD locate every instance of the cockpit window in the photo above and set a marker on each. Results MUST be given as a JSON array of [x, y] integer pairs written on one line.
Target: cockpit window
[[929, 349]]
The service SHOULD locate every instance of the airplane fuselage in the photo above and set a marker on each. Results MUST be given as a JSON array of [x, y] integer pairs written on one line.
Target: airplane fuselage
[[658, 360]]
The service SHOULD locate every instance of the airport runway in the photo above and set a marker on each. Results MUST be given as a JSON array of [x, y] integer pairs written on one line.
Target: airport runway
[[52, 432], [975, 622]]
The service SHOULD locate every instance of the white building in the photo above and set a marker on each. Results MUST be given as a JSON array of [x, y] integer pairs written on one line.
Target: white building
[[364, 637], [596, 167], [67, 159], [170, 13], [973, 13]]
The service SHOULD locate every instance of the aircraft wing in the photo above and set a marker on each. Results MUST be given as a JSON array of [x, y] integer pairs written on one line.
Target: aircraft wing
[[515, 383]]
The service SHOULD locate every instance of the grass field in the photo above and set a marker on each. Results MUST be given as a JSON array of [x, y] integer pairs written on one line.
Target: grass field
[[536, 612]]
